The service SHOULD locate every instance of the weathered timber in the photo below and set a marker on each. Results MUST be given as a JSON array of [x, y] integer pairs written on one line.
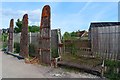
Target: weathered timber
[[44, 48], [10, 38], [60, 44], [15, 55], [93, 70], [24, 37], [56, 41]]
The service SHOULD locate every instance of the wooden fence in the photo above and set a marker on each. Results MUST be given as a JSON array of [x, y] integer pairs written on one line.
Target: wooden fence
[[34, 44], [78, 47], [105, 39]]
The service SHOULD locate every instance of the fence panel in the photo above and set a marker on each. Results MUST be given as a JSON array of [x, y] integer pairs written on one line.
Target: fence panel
[[17, 37], [78, 47], [107, 38]]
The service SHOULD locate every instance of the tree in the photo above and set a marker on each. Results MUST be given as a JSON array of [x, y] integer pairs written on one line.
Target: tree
[[73, 34], [18, 26], [66, 36], [34, 28]]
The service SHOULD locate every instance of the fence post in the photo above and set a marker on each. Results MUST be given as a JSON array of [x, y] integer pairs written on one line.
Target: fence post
[[24, 37], [10, 38], [102, 71], [45, 35], [30, 37]]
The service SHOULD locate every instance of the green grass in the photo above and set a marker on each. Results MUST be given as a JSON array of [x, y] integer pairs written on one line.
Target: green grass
[[110, 73], [112, 63], [112, 76], [81, 60]]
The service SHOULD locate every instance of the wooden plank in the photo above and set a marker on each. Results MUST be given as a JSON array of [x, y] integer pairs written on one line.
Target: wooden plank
[[93, 70]]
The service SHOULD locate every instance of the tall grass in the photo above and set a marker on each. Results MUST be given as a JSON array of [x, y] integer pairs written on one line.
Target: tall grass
[[111, 72]]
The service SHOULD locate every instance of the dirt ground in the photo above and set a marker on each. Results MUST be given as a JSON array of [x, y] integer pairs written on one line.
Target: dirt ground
[[14, 68]]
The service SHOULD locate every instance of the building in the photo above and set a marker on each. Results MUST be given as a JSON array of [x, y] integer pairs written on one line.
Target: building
[[82, 33], [105, 39]]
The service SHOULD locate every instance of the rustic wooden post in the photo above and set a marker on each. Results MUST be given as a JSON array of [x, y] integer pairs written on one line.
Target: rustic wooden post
[[60, 42], [10, 38], [45, 33], [24, 37], [102, 70]]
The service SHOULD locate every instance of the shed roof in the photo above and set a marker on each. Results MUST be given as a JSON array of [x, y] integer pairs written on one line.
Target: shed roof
[[103, 24]]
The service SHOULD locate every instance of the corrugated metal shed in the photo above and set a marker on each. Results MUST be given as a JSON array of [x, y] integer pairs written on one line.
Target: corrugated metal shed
[[105, 37]]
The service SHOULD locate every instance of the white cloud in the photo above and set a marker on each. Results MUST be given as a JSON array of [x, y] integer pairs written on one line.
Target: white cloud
[[86, 6], [82, 19], [33, 15], [70, 22]]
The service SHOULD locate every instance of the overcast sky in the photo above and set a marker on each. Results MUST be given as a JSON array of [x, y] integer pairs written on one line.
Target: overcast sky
[[68, 16]]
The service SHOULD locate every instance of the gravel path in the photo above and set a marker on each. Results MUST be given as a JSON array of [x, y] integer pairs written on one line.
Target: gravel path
[[14, 68]]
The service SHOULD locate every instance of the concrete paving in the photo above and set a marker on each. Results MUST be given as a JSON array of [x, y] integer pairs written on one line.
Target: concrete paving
[[0, 64], [14, 68]]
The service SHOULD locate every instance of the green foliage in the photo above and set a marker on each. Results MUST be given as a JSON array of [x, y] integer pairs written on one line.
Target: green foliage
[[73, 34], [111, 74], [31, 50], [18, 27], [54, 53], [4, 45], [4, 37], [73, 49], [66, 36], [70, 36], [111, 63], [17, 47], [34, 28]]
